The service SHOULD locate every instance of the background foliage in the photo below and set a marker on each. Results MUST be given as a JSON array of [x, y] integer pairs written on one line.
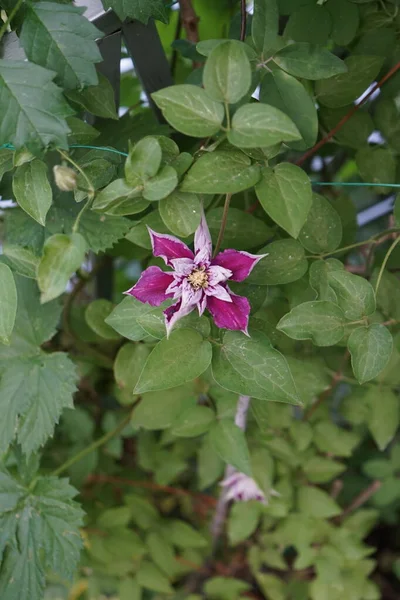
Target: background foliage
[[92, 393]]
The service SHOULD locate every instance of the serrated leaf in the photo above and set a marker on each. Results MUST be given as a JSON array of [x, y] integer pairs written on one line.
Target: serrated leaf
[[355, 295], [102, 231], [370, 348], [319, 321], [344, 88], [286, 196], [221, 172], [36, 107], [252, 367], [140, 10], [62, 256], [261, 125], [229, 442], [32, 189], [284, 262], [8, 303], [174, 361], [181, 212], [227, 72], [308, 61], [384, 415], [284, 92], [61, 39], [97, 99], [95, 314], [189, 110], [265, 25], [322, 231]]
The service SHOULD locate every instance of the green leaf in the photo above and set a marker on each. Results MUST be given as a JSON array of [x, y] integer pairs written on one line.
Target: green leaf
[[183, 535], [153, 323], [181, 212], [319, 278], [322, 470], [67, 42], [355, 295], [46, 525], [225, 588], [128, 366], [265, 25], [221, 172], [229, 442], [8, 303], [189, 109], [95, 314], [99, 172], [345, 87], [148, 576], [22, 260], [284, 262], [377, 165], [129, 589], [124, 318], [143, 161], [120, 197], [81, 132], [242, 230], [162, 553], [370, 348], [308, 61], [162, 185], [316, 503], [102, 231], [62, 256], [160, 410], [286, 196], [252, 367], [140, 10], [36, 389], [322, 231], [345, 20], [354, 132], [384, 415], [243, 521], [290, 96], [210, 467], [174, 361], [310, 23], [227, 72], [193, 421], [261, 125], [32, 189], [36, 107], [97, 99], [6, 161], [319, 321]]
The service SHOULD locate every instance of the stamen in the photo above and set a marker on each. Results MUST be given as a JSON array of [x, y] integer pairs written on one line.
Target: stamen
[[198, 278]]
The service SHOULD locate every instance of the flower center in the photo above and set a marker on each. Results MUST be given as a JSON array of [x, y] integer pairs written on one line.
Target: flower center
[[198, 278]]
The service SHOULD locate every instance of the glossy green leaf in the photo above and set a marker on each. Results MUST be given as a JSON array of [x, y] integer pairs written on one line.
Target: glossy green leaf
[[95, 314], [265, 25], [242, 230], [181, 212], [370, 348], [227, 72], [162, 185], [261, 125], [118, 193], [190, 110], [284, 262], [377, 165], [32, 189], [138, 10], [229, 442], [319, 278], [62, 256], [22, 260], [67, 42], [128, 366], [6, 161], [143, 162], [281, 90], [96, 99], [309, 61], [322, 231], [174, 361], [345, 21], [221, 172], [252, 367], [311, 23], [124, 318], [8, 303], [355, 295], [320, 321], [160, 410], [285, 195]]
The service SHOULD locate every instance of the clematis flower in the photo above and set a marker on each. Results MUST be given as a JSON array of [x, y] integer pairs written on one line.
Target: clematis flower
[[241, 487], [196, 280]]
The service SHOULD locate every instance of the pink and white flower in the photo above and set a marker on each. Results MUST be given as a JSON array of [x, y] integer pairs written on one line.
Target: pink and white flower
[[196, 280], [242, 488]]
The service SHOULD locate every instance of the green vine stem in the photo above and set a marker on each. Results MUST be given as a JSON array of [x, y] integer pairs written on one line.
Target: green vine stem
[[10, 17], [388, 253], [223, 223]]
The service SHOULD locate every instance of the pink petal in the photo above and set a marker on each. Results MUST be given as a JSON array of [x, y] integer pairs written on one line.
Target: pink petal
[[218, 274], [190, 295], [202, 243], [239, 262], [152, 286], [168, 247], [183, 266], [175, 312], [230, 315], [218, 291]]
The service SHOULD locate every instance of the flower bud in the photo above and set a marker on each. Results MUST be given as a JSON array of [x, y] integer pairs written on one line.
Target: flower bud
[[65, 178]]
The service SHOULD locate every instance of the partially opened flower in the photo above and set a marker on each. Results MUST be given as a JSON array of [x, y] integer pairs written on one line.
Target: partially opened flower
[[197, 280], [242, 488]]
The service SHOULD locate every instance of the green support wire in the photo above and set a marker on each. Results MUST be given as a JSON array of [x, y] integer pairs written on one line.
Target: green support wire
[[321, 183]]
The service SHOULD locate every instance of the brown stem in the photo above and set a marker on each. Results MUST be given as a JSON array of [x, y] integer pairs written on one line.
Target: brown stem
[[189, 20], [361, 499], [243, 22], [346, 117], [223, 223]]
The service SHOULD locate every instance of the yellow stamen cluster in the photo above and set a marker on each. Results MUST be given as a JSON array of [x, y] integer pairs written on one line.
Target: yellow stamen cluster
[[198, 278]]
